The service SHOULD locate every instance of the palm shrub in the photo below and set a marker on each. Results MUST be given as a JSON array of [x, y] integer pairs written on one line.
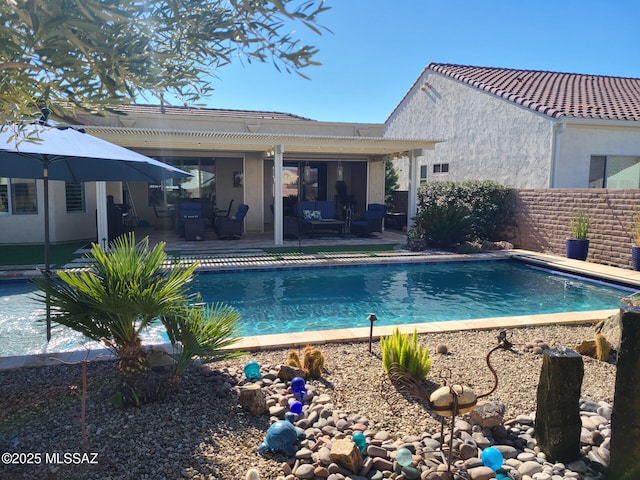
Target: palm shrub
[[203, 331], [403, 356], [123, 290]]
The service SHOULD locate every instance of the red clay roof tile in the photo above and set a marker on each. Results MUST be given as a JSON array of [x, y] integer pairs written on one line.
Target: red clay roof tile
[[553, 93]]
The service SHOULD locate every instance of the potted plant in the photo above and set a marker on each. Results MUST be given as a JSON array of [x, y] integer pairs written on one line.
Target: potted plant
[[635, 250], [415, 239], [577, 246]]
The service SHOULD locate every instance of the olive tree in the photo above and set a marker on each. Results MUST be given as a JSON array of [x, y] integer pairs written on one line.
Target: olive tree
[[93, 54]]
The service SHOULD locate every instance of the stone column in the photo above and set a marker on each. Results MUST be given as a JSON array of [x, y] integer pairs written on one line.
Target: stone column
[[558, 410], [625, 419]]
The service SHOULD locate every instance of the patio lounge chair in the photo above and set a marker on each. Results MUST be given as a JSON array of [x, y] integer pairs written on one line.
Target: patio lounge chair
[[372, 221], [231, 227]]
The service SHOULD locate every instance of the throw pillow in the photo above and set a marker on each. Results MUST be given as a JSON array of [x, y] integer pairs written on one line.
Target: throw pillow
[[311, 214]]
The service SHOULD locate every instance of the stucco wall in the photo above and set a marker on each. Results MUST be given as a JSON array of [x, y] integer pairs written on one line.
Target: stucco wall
[[254, 192], [578, 142], [543, 216], [63, 226], [485, 137], [376, 183]]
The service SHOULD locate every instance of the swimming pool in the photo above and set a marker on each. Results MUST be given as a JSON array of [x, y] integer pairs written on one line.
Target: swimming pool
[[308, 299]]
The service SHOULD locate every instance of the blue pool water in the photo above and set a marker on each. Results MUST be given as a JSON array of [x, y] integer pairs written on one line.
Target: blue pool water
[[310, 299]]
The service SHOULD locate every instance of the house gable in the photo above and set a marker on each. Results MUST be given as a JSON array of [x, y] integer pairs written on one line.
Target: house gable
[[555, 94], [523, 128]]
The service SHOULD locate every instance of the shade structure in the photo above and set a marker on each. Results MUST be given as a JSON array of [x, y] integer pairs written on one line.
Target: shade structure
[[43, 151]]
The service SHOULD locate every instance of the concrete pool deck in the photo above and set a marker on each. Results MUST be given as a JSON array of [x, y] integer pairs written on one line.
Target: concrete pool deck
[[294, 340]]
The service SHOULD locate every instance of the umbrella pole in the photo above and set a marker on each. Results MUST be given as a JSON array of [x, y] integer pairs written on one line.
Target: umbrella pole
[[47, 266]]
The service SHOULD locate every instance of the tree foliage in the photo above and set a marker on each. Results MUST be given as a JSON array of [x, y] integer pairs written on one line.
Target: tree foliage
[[94, 54]]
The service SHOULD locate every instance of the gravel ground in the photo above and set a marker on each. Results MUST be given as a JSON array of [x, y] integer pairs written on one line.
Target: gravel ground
[[202, 433]]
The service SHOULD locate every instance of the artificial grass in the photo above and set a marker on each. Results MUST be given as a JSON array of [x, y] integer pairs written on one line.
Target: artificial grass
[[312, 249], [59, 254]]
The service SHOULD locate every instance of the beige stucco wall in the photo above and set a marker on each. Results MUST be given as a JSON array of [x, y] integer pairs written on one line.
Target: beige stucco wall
[[578, 142], [63, 226], [253, 192], [485, 137], [376, 182]]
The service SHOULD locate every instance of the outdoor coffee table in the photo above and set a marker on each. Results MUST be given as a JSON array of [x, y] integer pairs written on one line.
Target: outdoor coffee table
[[327, 224]]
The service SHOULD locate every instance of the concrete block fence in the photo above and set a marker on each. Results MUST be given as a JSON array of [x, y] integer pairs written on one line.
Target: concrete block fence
[[543, 216]]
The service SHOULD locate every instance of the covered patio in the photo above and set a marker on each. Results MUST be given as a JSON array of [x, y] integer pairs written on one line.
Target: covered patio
[[268, 161], [256, 242]]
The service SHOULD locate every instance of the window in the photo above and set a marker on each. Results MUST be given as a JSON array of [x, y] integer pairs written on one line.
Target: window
[[4, 196], [423, 173], [74, 195], [201, 185], [614, 171], [440, 168], [23, 196]]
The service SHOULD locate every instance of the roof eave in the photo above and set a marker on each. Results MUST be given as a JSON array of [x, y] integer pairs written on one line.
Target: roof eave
[[256, 142]]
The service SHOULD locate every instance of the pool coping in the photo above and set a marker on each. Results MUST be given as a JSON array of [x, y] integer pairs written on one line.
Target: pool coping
[[359, 334]]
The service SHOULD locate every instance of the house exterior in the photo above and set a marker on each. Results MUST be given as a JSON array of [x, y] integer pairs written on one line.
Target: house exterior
[[246, 157], [523, 128]]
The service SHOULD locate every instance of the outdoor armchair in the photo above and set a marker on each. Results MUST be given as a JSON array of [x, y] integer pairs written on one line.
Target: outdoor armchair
[[372, 221], [232, 226]]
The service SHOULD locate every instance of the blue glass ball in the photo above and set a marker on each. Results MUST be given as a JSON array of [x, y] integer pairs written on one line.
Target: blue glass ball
[[403, 456], [492, 458], [298, 385], [361, 441], [252, 370], [296, 407]]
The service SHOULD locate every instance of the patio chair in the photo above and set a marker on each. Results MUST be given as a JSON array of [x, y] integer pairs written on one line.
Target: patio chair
[[164, 215], [231, 227], [187, 209], [217, 214], [372, 221]]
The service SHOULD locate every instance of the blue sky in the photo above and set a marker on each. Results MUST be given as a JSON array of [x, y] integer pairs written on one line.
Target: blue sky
[[379, 47]]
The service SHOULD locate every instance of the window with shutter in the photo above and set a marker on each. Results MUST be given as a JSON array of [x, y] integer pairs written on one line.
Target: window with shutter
[[74, 194]]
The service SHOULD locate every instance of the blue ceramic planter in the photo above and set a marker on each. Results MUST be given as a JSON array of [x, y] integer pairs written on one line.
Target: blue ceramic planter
[[577, 249], [635, 258]]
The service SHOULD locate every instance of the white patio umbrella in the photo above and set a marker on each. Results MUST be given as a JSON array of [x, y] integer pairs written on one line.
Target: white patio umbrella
[[68, 154]]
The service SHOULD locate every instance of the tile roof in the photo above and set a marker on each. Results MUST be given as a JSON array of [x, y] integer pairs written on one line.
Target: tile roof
[[553, 93], [208, 112]]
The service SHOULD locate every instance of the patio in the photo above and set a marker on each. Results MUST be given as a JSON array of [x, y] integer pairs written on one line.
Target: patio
[[258, 241]]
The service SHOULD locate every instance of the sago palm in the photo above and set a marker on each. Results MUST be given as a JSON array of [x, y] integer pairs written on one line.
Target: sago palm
[[122, 291]]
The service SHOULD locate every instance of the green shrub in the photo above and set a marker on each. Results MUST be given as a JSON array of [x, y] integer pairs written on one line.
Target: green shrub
[[488, 204], [445, 225], [402, 355]]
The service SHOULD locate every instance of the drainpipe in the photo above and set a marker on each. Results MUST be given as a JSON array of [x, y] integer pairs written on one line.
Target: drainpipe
[[558, 128]]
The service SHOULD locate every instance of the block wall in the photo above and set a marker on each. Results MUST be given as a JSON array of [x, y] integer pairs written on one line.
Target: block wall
[[542, 218]]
